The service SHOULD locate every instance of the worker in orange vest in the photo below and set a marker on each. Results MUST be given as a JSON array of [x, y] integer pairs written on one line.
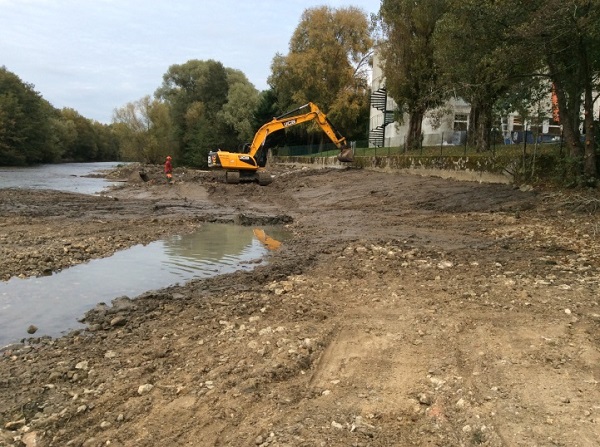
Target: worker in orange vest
[[169, 169]]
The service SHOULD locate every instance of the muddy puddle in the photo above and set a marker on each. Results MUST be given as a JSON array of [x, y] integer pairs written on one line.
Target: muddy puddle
[[54, 303]]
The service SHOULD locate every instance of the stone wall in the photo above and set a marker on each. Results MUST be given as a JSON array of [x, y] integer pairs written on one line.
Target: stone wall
[[478, 169]]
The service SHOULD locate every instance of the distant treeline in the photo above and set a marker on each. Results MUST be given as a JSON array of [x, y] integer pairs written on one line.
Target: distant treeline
[[32, 131]]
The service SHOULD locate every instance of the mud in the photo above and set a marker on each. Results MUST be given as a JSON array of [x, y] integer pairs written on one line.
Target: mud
[[404, 311]]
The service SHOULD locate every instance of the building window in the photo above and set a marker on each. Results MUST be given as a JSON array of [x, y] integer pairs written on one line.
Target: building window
[[517, 124], [461, 121]]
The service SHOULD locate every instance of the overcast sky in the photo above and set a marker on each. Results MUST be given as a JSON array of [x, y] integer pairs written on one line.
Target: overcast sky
[[97, 55]]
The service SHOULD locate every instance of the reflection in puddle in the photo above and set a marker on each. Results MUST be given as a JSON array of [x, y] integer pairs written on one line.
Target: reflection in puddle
[[54, 303], [267, 241]]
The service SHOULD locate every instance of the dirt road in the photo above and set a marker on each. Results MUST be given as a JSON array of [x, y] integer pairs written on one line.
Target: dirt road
[[405, 311]]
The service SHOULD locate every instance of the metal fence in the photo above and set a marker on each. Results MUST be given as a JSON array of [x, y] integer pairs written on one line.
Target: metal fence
[[435, 144]]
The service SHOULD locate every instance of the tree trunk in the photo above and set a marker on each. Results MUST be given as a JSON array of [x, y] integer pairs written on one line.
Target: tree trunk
[[483, 129], [480, 122], [568, 109], [590, 169], [415, 127], [474, 120]]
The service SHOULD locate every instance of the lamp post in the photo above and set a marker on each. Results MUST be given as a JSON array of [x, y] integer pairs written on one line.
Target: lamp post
[[524, 143]]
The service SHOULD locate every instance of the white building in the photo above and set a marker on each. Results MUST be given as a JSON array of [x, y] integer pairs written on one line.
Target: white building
[[448, 124]]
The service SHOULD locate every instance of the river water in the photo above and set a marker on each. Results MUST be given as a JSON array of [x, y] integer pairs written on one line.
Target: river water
[[68, 177], [55, 303]]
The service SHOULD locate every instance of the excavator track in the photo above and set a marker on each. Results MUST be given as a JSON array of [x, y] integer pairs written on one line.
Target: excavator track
[[264, 178], [232, 177]]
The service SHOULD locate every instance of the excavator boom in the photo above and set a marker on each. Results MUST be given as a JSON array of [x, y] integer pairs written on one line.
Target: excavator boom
[[288, 120]]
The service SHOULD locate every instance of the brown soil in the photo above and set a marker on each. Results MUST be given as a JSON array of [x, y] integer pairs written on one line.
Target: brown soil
[[404, 311]]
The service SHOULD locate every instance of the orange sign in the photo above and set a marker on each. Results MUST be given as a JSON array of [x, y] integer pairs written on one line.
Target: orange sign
[[555, 114]]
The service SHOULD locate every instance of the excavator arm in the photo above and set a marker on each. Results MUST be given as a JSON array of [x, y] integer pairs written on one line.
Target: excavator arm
[[246, 166], [288, 120]]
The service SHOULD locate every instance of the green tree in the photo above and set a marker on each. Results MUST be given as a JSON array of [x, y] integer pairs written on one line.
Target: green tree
[[109, 148], [196, 92], [25, 122], [63, 137], [483, 60], [238, 115], [566, 33], [211, 106], [327, 64], [238, 111], [144, 128], [77, 138], [409, 67], [84, 146], [33, 131], [266, 110]]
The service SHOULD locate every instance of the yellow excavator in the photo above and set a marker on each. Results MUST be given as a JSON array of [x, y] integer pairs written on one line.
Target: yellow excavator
[[249, 165]]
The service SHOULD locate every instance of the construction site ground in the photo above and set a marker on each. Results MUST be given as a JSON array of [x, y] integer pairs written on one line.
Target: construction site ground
[[402, 311]]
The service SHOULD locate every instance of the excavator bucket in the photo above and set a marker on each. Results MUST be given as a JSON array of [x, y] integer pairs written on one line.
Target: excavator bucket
[[346, 155]]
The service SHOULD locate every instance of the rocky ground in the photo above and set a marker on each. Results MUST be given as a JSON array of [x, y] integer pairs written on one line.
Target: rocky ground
[[404, 311]]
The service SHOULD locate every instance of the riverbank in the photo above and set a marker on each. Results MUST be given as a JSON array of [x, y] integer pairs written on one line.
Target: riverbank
[[404, 311]]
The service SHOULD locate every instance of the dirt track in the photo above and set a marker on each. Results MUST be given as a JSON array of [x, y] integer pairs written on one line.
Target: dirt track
[[405, 311]]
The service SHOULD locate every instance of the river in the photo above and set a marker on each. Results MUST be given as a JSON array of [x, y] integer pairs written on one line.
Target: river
[[55, 303], [70, 177]]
